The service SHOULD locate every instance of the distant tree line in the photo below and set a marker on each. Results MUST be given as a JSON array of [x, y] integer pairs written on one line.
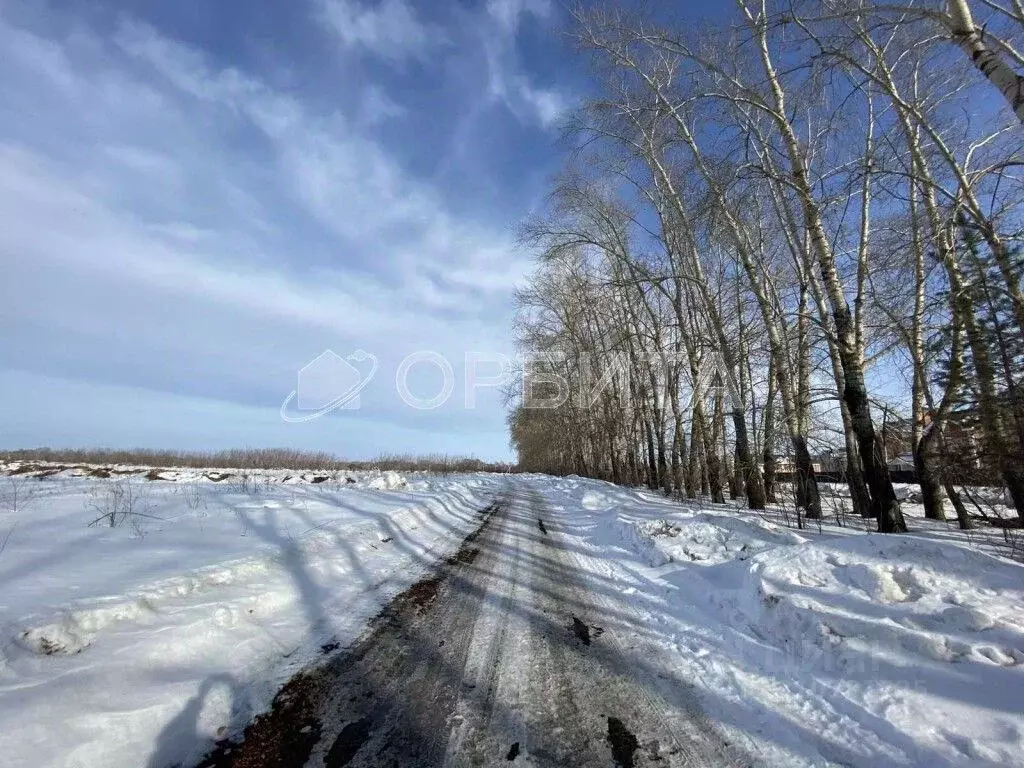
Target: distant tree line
[[253, 458]]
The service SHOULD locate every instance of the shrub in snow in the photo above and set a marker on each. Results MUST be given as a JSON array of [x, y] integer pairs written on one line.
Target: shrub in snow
[[120, 502], [193, 496], [15, 494]]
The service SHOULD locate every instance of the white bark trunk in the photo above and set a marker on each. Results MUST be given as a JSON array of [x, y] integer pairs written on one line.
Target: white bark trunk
[[988, 61]]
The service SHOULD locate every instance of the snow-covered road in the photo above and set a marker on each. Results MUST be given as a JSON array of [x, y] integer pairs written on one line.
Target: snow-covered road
[[504, 654], [583, 623]]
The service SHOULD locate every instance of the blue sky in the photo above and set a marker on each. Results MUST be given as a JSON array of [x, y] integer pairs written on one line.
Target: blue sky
[[198, 198]]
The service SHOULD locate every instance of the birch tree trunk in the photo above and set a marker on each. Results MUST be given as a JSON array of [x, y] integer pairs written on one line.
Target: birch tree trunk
[[768, 437], [971, 39], [923, 439], [885, 506]]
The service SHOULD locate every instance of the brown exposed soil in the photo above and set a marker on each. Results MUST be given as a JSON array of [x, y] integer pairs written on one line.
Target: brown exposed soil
[[280, 738], [464, 555], [422, 593], [24, 469], [585, 632]]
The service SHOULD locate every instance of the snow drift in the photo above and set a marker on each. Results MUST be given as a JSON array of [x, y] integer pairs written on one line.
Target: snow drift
[[840, 647], [142, 644]]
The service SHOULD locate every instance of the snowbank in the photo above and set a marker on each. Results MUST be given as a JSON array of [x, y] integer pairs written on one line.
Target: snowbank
[[839, 647], [702, 539], [140, 644], [387, 481], [368, 478]]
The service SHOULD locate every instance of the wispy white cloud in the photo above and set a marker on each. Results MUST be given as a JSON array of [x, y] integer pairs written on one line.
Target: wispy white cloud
[[544, 106], [507, 82], [508, 12], [390, 29], [549, 105], [343, 178], [377, 107], [393, 31], [173, 224]]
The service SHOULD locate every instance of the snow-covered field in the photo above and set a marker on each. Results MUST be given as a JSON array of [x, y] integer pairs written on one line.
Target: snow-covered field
[[141, 644], [840, 647]]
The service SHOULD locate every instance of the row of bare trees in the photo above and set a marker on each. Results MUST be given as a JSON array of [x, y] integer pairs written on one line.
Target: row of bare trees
[[770, 227]]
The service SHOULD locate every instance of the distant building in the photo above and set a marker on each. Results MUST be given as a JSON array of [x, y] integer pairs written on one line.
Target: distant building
[[832, 462], [904, 463], [787, 465]]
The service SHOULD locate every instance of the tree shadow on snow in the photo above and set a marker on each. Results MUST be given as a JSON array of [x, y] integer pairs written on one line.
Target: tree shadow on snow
[[182, 742]]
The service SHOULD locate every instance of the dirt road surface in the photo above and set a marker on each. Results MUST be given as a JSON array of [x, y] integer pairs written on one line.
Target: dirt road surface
[[502, 657]]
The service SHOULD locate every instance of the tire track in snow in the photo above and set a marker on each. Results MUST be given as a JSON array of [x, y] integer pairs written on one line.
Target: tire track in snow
[[482, 663]]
